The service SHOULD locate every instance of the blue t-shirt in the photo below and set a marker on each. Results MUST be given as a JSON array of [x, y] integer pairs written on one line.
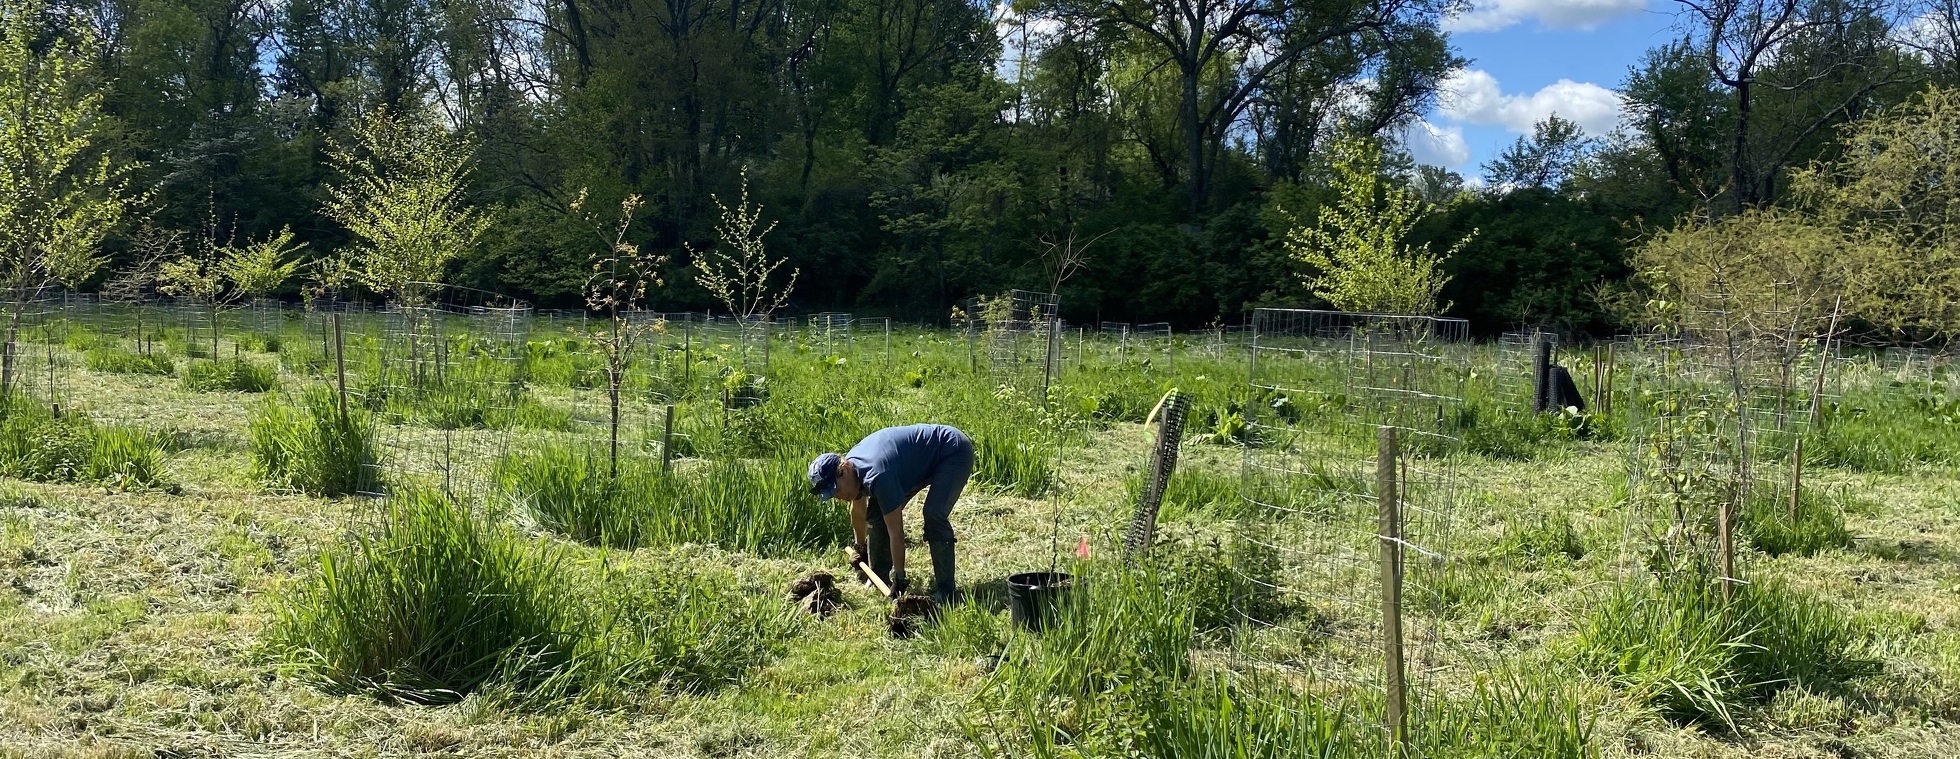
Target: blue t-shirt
[[897, 462]]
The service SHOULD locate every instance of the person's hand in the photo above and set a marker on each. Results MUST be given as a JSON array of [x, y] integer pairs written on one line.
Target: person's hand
[[860, 553], [898, 583]]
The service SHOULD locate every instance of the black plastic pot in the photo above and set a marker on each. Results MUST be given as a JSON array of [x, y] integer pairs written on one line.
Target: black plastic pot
[[1032, 597]]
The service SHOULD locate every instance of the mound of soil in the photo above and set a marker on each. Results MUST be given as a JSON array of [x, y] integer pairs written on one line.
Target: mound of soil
[[816, 593], [908, 613]]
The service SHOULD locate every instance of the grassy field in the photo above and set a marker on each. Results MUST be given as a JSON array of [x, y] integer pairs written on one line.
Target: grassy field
[[213, 607]]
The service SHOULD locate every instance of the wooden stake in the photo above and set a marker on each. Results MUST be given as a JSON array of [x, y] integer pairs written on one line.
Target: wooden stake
[[1391, 541], [667, 439], [1541, 363], [1599, 373], [1824, 362], [1796, 483], [340, 363], [1725, 540]]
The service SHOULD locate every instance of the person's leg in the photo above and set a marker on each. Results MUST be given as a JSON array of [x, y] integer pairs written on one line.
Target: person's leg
[[879, 542], [948, 482]]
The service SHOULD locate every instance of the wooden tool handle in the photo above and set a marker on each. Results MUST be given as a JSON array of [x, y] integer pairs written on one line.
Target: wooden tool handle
[[862, 566]]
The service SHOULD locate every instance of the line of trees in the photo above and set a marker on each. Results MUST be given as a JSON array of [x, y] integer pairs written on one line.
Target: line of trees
[[911, 153]]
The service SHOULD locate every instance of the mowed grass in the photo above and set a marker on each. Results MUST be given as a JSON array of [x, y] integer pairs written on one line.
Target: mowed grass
[[146, 622]]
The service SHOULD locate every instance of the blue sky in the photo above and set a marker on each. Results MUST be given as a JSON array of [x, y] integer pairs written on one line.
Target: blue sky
[[1530, 59]]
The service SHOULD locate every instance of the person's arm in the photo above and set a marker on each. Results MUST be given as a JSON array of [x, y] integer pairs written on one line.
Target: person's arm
[[859, 528]]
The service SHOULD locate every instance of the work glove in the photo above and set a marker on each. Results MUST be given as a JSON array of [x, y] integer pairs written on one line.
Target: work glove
[[860, 552], [898, 583]]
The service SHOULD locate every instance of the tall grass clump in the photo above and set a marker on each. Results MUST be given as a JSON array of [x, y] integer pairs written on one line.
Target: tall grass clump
[[428, 605], [1817, 525], [1549, 538], [1113, 675], [314, 448], [36, 445], [1013, 463], [1890, 433], [233, 374], [1674, 644], [758, 507], [110, 359], [432, 603], [569, 490], [1192, 491]]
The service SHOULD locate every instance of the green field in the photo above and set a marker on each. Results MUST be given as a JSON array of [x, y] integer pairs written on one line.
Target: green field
[[169, 588]]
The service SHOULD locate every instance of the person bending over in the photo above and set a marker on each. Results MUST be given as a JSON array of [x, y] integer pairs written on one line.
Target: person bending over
[[879, 475]]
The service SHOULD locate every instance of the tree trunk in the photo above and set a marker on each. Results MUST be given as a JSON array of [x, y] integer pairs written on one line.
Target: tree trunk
[[1194, 140], [1741, 186]]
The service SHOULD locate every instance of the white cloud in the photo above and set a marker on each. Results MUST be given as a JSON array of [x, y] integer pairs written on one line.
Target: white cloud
[[1492, 15], [1436, 145], [1474, 96]]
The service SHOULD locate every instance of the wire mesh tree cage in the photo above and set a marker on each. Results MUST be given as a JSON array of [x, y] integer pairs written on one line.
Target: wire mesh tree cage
[[447, 385], [869, 334], [1718, 405], [830, 332], [1326, 387], [1022, 341], [32, 364]]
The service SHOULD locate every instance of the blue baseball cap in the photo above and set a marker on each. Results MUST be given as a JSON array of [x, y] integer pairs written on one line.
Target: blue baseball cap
[[823, 475]]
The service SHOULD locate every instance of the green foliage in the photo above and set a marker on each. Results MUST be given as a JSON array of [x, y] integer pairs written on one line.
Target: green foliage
[[60, 191], [315, 449], [1547, 538], [1549, 250], [428, 606], [402, 200], [1113, 675], [259, 269], [1676, 645], [1519, 435], [1193, 491], [263, 342], [110, 359], [1356, 253], [1893, 192], [739, 272], [232, 374]]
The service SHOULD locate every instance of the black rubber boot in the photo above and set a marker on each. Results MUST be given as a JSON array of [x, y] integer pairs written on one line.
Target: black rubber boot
[[880, 548], [945, 589]]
